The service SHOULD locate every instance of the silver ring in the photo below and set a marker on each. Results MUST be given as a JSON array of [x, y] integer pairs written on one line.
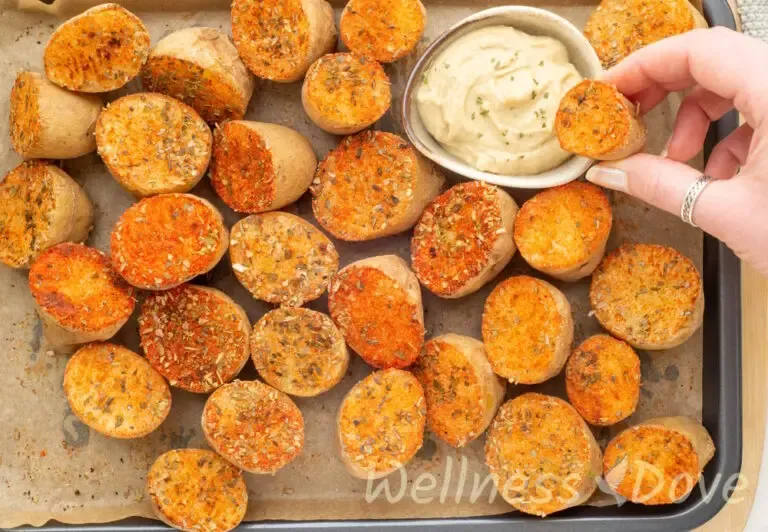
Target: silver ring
[[689, 201]]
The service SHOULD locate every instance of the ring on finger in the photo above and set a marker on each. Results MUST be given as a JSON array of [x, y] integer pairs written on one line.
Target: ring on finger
[[689, 201]]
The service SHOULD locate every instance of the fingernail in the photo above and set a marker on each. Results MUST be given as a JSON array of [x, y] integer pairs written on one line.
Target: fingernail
[[608, 177], [665, 151]]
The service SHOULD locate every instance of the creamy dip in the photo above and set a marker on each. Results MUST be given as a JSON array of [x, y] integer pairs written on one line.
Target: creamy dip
[[490, 99]]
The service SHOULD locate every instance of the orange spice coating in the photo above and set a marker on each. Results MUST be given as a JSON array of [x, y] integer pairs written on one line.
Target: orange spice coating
[[521, 325], [662, 450], [299, 351], [538, 443], [254, 426], [195, 336], [281, 258], [602, 378], [455, 236], [77, 286], [384, 30], [153, 144], [98, 51], [619, 27], [24, 120], [645, 293], [347, 90], [376, 317], [593, 119], [364, 184], [26, 201], [163, 241], [195, 489], [272, 36], [207, 91], [381, 421], [563, 227], [115, 391], [242, 172], [454, 393]]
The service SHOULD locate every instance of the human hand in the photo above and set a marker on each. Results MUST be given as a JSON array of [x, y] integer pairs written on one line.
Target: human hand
[[725, 70]]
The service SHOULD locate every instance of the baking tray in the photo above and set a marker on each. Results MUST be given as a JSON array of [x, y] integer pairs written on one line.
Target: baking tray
[[721, 414]]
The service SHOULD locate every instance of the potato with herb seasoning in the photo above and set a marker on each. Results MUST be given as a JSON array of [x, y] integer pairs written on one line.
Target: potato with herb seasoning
[[658, 461], [115, 391], [648, 295], [99, 50], [279, 39], [48, 122], [619, 27], [200, 67], [40, 206], [253, 426], [344, 93], [195, 489], [464, 239], [562, 231], [299, 351], [165, 240], [153, 144], [260, 167], [595, 120], [462, 392], [542, 456], [527, 330], [194, 336], [78, 295], [281, 258], [383, 30], [376, 302], [602, 379], [373, 184], [381, 423]]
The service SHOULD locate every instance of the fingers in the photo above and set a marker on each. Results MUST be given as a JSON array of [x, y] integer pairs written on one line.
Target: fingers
[[730, 153], [696, 112], [664, 184], [731, 65]]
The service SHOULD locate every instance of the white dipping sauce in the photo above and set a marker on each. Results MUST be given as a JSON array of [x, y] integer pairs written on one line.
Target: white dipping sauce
[[491, 96]]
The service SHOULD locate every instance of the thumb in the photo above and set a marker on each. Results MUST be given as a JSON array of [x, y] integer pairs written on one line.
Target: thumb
[[664, 183]]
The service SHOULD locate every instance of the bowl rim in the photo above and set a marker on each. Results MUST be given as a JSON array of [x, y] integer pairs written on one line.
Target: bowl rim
[[451, 163]]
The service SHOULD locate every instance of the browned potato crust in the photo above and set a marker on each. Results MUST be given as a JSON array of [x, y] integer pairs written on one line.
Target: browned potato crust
[[115, 391], [602, 378], [658, 461], [542, 455], [595, 120], [648, 295], [384, 30], [563, 231], [194, 490]]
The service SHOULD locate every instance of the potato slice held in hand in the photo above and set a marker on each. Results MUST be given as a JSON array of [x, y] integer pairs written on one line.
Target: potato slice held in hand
[[381, 423], [345, 93], [115, 391], [464, 239], [98, 50], [79, 297], [279, 39], [153, 144], [196, 489], [260, 167], [658, 461], [40, 206], [200, 67], [595, 120], [462, 392], [376, 302], [48, 122]]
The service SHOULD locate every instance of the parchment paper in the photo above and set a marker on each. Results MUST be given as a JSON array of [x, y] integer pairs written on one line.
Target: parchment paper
[[54, 467]]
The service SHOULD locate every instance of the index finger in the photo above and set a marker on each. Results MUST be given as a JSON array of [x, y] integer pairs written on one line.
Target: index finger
[[722, 61]]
